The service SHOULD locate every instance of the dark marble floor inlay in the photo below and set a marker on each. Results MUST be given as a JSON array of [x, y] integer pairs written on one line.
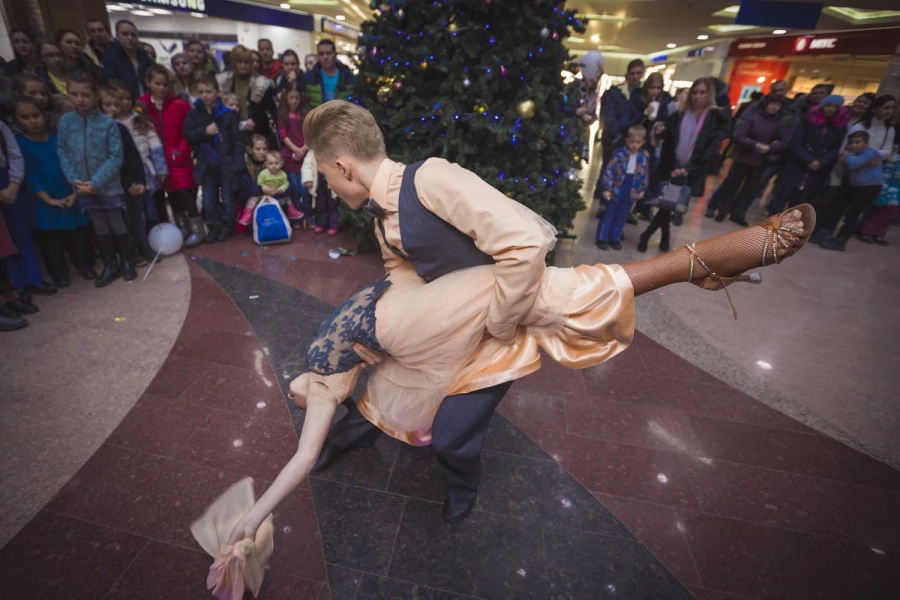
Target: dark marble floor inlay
[[536, 532]]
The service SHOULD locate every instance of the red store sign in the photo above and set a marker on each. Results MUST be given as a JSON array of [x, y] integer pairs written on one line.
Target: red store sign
[[878, 41]]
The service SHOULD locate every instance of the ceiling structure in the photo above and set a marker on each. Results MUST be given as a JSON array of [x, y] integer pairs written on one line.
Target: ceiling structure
[[643, 27]]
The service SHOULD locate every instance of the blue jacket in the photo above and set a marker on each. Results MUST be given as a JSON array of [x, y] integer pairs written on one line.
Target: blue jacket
[[615, 171], [313, 87], [857, 171], [890, 193], [224, 150], [117, 65], [90, 149]]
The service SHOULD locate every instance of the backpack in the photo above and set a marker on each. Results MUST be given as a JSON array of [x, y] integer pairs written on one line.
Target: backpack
[[270, 225]]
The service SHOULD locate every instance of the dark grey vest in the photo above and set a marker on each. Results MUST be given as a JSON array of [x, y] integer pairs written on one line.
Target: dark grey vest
[[432, 245]]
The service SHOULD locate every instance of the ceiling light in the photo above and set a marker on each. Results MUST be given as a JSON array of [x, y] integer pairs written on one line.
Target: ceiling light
[[728, 12], [595, 38], [671, 45], [730, 28], [780, 31], [760, 79], [114, 8], [142, 13], [160, 11], [702, 37], [284, 5], [340, 17], [197, 15]]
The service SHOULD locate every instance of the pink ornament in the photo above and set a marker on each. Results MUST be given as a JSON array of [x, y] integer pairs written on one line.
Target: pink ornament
[[374, 52], [502, 70], [555, 36], [398, 85]]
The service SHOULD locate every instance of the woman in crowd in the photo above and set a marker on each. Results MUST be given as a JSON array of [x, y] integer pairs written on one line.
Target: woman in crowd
[[32, 86], [72, 47], [150, 50], [812, 152], [256, 96], [692, 138], [761, 134], [54, 66], [255, 63], [652, 102], [201, 62], [26, 59], [290, 71], [184, 83]]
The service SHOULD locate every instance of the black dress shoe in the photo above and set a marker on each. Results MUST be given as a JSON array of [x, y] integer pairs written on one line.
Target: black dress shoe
[[602, 245], [23, 306], [327, 457], [456, 511], [615, 245], [62, 281], [88, 272], [631, 220], [12, 323], [42, 289]]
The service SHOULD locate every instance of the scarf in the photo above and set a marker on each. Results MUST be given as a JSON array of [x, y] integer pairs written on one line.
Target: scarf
[[687, 136]]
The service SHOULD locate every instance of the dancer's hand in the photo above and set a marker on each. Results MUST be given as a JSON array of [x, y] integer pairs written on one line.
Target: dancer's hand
[[814, 165], [369, 356]]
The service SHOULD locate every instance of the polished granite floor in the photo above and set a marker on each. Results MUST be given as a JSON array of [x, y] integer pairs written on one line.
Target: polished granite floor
[[645, 477]]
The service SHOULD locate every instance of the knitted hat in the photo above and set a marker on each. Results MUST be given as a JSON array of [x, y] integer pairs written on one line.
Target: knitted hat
[[832, 99]]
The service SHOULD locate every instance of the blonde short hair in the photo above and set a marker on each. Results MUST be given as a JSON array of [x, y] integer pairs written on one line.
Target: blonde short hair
[[276, 155], [339, 128], [240, 52], [637, 131]]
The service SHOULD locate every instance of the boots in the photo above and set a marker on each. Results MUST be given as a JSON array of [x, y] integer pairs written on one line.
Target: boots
[[197, 233], [110, 264], [644, 241], [664, 243], [225, 232], [212, 233], [126, 252], [181, 221]]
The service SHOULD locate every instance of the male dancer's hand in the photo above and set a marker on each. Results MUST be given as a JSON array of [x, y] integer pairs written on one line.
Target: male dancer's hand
[[369, 356]]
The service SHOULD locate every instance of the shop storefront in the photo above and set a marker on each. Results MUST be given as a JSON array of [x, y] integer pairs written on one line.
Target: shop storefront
[[220, 24], [852, 62]]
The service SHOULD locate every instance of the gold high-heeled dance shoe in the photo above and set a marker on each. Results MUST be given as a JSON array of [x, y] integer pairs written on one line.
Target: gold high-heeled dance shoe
[[778, 237]]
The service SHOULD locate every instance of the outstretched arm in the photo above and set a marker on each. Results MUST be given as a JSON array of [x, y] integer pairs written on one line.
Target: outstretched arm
[[319, 412]]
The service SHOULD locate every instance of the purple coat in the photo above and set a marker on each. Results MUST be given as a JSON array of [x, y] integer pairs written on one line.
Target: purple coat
[[764, 129]]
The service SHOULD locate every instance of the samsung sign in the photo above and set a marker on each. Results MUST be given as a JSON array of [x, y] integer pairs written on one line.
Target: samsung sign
[[191, 5]]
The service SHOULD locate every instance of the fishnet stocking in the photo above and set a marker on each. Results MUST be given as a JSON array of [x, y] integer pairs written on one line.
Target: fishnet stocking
[[725, 255]]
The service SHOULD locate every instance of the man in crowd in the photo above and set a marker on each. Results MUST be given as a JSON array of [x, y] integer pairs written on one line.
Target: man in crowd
[[269, 65], [125, 60], [329, 79], [98, 41], [618, 114]]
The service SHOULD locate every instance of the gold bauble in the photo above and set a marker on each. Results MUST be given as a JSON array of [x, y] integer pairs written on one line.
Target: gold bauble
[[384, 93], [481, 108], [452, 27], [423, 65], [525, 109]]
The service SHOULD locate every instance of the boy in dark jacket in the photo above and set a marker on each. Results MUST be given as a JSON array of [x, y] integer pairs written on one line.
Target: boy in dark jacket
[[213, 131]]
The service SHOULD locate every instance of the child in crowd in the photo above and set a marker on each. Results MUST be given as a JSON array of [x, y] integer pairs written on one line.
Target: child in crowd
[[134, 180], [272, 180], [231, 102], [214, 133], [326, 204], [293, 150], [59, 226], [148, 144], [625, 180], [887, 205], [169, 114], [863, 164], [22, 267], [32, 86], [250, 192], [90, 153]]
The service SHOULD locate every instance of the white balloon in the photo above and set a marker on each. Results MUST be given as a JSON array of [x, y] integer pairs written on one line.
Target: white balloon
[[592, 65], [165, 238]]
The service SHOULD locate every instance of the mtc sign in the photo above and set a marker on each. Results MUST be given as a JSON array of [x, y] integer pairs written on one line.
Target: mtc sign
[[882, 41]]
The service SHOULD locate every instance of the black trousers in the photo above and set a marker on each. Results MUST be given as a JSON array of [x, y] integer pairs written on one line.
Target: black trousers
[[740, 188], [56, 244], [180, 201], [848, 202], [457, 436]]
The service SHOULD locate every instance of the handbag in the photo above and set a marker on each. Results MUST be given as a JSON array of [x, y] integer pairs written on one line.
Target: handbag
[[672, 197], [270, 225]]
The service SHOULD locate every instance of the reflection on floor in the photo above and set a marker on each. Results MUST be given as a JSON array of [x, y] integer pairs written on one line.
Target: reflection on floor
[[645, 477]]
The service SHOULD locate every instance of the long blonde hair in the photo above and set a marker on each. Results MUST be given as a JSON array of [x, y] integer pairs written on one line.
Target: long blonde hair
[[710, 84], [653, 77]]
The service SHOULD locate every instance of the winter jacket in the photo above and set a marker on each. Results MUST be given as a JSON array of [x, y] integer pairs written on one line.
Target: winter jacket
[[132, 166], [11, 157], [615, 171], [309, 173], [661, 115], [860, 173], [117, 65], [707, 147], [261, 105], [248, 186], [312, 85], [169, 124], [224, 150], [760, 128], [816, 139], [90, 149], [617, 114], [151, 150], [890, 193]]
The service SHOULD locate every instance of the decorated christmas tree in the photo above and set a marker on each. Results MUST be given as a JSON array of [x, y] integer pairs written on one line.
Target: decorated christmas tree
[[479, 82]]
